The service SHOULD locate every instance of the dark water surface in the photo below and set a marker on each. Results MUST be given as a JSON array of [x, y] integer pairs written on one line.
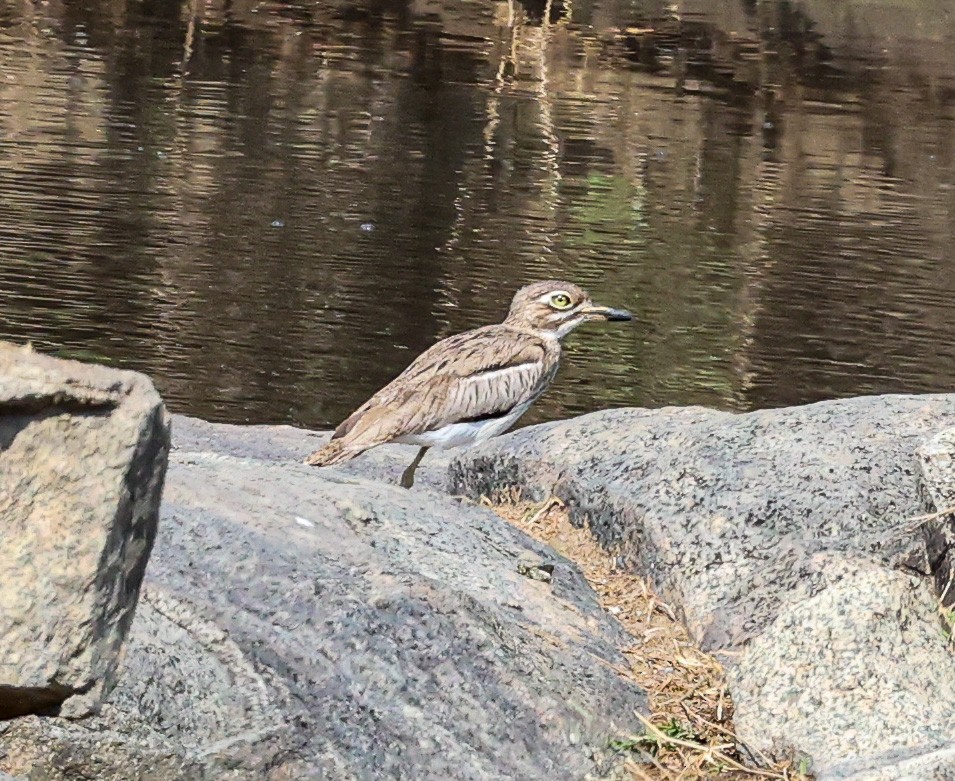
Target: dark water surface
[[272, 207]]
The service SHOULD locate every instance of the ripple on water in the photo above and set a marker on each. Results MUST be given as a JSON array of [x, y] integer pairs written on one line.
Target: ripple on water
[[272, 211]]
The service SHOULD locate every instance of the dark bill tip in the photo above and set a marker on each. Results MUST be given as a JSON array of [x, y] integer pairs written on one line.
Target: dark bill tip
[[607, 313], [616, 314]]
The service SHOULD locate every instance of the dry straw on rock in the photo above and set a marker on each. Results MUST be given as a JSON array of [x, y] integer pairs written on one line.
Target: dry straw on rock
[[689, 734]]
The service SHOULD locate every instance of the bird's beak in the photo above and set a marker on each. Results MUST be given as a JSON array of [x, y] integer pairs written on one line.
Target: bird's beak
[[607, 313]]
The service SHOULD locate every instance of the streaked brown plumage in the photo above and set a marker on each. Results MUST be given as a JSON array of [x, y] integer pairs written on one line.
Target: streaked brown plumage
[[473, 385]]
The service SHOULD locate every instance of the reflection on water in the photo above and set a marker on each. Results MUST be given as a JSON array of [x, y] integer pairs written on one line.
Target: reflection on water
[[271, 207]]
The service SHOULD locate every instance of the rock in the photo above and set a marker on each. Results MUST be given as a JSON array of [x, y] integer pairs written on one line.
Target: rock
[[874, 642], [785, 540], [299, 624], [288, 445], [82, 457], [535, 569]]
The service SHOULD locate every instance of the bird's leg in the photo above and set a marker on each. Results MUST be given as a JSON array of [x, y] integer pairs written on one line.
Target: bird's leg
[[407, 477]]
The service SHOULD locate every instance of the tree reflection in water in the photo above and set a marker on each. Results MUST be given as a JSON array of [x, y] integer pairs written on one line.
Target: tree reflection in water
[[272, 207]]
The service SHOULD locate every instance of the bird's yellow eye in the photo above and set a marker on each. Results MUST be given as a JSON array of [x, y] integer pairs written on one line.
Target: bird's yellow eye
[[560, 301]]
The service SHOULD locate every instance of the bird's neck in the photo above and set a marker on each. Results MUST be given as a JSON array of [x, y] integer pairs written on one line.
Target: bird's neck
[[548, 335]]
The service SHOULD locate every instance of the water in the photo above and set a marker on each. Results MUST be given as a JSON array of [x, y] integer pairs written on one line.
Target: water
[[272, 207]]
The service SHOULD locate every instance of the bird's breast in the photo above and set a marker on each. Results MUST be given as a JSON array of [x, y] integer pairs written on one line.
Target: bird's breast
[[465, 433]]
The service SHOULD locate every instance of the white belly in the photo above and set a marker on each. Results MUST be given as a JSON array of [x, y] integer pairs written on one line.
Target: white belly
[[458, 434]]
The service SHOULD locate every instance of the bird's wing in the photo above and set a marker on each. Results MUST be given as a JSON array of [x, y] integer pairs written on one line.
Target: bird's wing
[[479, 374]]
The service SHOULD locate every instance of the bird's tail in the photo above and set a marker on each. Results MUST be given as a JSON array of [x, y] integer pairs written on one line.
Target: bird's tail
[[335, 452]]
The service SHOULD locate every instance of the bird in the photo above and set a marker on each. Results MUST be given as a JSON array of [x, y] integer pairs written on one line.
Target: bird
[[473, 385]]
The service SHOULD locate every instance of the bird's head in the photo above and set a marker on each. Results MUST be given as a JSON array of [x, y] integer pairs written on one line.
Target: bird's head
[[557, 308]]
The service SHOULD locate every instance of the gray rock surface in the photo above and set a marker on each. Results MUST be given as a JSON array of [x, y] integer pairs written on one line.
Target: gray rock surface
[[297, 624], [289, 445], [785, 539], [856, 675], [82, 457]]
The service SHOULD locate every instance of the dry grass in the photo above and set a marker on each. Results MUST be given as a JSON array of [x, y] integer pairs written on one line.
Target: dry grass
[[690, 733], [943, 603]]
